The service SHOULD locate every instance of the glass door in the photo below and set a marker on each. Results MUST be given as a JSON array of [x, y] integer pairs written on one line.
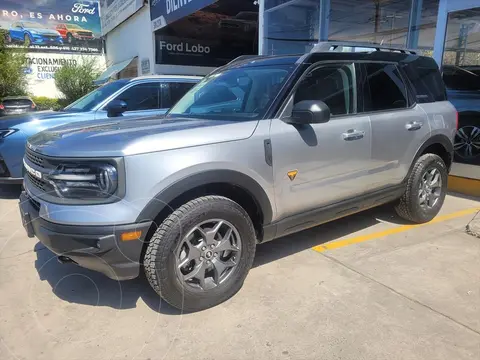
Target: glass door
[[461, 74]]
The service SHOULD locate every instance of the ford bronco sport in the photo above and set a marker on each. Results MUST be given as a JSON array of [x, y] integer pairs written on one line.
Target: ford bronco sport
[[261, 148]]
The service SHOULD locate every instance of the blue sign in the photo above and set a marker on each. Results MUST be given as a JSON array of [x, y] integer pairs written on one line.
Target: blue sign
[[163, 12]]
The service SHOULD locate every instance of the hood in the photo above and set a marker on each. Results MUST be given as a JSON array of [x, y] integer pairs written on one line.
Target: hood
[[136, 136], [8, 122]]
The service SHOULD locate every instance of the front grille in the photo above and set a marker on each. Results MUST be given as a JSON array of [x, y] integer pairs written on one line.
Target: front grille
[[35, 203], [38, 183], [83, 33], [37, 160]]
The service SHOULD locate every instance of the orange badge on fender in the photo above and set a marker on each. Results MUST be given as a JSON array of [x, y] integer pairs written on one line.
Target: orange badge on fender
[[292, 174]]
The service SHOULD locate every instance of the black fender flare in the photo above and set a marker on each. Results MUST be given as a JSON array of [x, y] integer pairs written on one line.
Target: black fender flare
[[435, 139], [167, 195]]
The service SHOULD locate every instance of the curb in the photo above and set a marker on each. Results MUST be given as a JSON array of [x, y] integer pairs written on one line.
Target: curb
[[464, 185]]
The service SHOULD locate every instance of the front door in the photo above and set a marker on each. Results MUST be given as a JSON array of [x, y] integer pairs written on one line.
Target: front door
[[143, 100], [319, 164]]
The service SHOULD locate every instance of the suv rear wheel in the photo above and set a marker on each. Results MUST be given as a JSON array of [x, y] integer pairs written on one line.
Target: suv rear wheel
[[426, 190], [200, 255]]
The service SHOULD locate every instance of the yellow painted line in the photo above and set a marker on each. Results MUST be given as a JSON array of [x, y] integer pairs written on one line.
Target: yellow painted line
[[359, 239]]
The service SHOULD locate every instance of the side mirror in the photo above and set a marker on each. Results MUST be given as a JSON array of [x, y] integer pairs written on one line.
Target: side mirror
[[309, 112], [116, 108]]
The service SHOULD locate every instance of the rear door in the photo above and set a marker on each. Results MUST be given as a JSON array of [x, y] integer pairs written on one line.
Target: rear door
[[399, 125]]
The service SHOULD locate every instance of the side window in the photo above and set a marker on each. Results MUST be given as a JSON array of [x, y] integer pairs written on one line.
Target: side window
[[425, 77], [172, 92], [142, 97], [385, 88], [334, 84]]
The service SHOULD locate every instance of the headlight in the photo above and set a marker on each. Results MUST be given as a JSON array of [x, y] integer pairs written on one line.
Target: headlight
[[84, 181], [7, 132]]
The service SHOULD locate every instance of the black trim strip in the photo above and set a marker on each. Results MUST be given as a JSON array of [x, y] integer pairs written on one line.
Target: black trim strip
[[331, 212], [166, 196]]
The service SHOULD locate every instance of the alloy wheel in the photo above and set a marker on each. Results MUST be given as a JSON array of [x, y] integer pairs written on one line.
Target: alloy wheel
[[467, 142], [208, 254], [430, 188]]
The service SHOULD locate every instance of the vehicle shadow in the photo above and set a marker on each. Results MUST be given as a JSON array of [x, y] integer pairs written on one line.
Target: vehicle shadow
[[78, 285], [291, 244], [10, 191], [75, 284]]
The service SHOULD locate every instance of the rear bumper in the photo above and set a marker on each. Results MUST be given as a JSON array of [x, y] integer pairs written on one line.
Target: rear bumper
[[98, 248]]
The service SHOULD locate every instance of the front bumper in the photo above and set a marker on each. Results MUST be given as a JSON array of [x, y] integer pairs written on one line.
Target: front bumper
[[98, 248], [11, 180]]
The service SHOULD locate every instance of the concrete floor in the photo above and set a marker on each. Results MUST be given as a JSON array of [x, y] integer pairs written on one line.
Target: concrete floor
[[410, 295]]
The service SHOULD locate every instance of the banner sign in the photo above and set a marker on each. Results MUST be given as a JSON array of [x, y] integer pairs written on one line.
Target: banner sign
[[62, 26], [114, 12], [163, 12]]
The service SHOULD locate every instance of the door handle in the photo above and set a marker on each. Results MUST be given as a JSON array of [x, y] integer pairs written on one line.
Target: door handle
[[352, 134], [413, 125]]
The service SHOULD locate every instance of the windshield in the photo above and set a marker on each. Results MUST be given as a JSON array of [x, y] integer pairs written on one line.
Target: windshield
[[97, 96], [73, 26], [33, 25], [243, 93]]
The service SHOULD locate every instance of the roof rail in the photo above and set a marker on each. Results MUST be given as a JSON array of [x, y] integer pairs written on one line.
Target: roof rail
[[325, 46], [243, 57]]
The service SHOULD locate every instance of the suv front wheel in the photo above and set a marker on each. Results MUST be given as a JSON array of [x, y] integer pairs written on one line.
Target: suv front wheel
[[426, 190], [201, 254]]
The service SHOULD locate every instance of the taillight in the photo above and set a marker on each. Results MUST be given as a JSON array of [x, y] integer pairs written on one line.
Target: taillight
[[2, 107], [457, 119], [33, 106]]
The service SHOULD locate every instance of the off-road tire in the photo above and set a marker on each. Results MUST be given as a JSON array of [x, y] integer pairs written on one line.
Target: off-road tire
[[159, 260], [408, 206]]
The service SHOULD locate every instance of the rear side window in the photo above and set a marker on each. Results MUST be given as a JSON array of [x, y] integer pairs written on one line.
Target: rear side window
[[385, 89], [17, 102], [458, 78], [425, 78]]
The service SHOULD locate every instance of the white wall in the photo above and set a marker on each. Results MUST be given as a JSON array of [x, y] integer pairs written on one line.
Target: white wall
[[134, 37], [41, 67]]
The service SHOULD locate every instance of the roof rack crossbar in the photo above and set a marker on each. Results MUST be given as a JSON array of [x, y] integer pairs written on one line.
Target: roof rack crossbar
[[325, 46]]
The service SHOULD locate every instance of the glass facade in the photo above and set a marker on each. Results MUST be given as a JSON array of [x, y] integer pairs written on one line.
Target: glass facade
[[378, 21], [292, 27]]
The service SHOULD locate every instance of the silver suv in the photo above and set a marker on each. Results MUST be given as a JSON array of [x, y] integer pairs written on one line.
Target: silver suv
[[261, 148]]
